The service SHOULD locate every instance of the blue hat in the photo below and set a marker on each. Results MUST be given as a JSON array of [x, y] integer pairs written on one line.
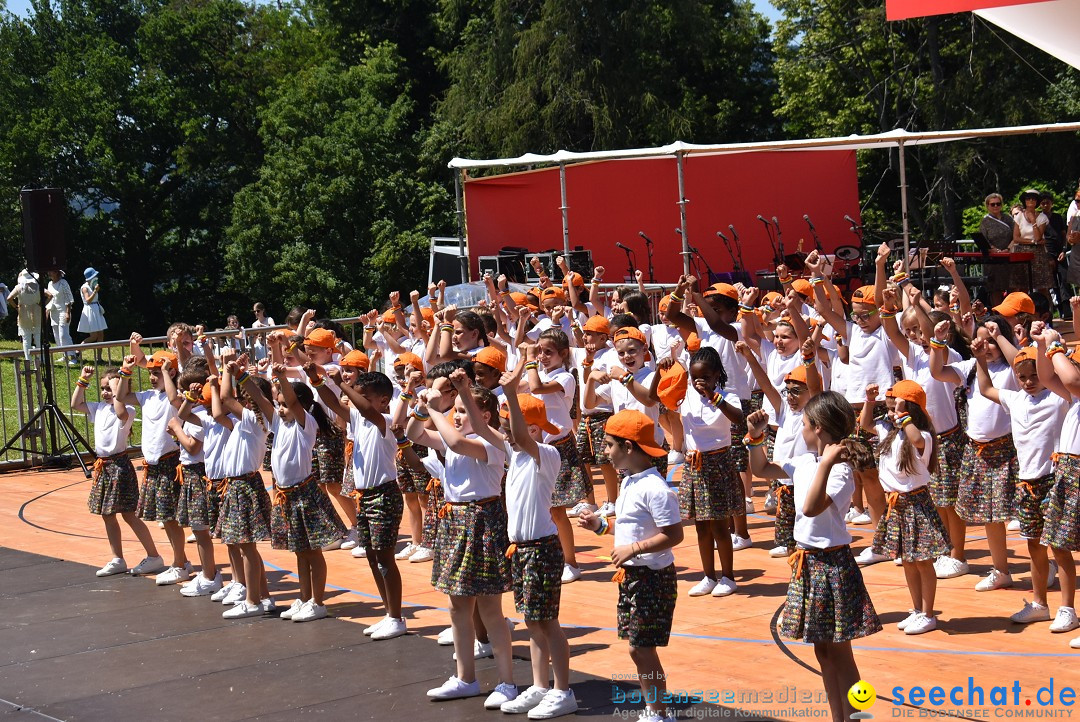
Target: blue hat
[[90, 273]]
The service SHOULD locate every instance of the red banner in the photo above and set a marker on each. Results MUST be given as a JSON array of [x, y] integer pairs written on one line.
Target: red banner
[[904, 9], [611, 201]]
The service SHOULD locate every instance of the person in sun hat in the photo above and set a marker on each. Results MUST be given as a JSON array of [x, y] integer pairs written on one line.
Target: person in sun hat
[[92, 320], [1028, 237]]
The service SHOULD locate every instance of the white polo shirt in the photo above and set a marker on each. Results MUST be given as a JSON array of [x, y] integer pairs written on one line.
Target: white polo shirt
[[705, 426], [602, 361], [789, 442], [645, 504], [110, 433], [470, 479], [290, 457], [215, 437], [871, 357], [245, 447], [738, 371], [1069, 439], [827, 529], [195, 432], [889, 472], [986, 420], [529, 487], [621, 398], [156, 413], [558, 404], [1037, 420], [940, 401], [374, 455]]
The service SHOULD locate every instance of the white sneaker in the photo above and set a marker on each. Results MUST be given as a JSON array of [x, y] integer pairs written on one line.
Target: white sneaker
[[200, 586], [422, 554], [446, 637], [1013, 525], [481, 650], [293, 609], [852, 512], [777, 552], [172, 575], [903, 623], [995, 580], [161, 525], [1075, 644], [368, 631], [921, 624], [556, 703], [243, 610], [237, 593], [1031, 612], [525, 701], [675, 457], [454, 688], [310, 611], [770, 502], [190, 538], [1052, 575], [949, 567], [724, 587], [269, 606], [149, 565], [223, 592], [407, 552], [570, 574], [703, 588], [502, 694], [115, 566], [580, 507], [861, 518], [390, 629], [868, 556], [1065, 621], [738, 543], [359, 552], [350, 541], [898, 562], [748, 505], [606, 509]]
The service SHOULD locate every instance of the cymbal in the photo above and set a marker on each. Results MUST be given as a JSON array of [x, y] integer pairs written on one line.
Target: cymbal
[[848, 253]]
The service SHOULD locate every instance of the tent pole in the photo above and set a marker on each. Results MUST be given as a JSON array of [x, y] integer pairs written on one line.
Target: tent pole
[[459, 203], [682, 214], [564, 209], [904, 207]]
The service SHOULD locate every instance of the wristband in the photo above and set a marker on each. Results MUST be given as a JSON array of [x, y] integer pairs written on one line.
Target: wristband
[[745, 308], [934, 343], [750, 442], [677, 299], [447, 327], [717, 399], [887, 314], [275, 381], [408, 396], [785, 280], [816, 280], [602, 529], [903, 421], [587, 364], [403, 444], [243, 378], [531, 365], [595, 280], [292, 347], [369, 328], [201, 339], [84, 383], [318, 382], [125, 373], [419, 415], [767, 308], [1055, 348], [626, 379], [900, 278]]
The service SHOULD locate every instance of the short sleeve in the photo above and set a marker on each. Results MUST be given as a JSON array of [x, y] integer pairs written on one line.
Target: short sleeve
[[433, 466], [92, 409], [275, 425], [664, 507], [549, 457], [1008, 399], [788, 467], [495, 455], [194, 431], [840, 476], [962, 368], [731, 399], [142, 396]]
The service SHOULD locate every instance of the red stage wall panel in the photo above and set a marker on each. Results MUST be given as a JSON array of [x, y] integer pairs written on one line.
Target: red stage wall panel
[[904, 9], [610, 201]]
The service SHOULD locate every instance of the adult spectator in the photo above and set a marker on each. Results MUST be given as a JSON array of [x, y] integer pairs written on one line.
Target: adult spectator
[[1072, 239], [997, 228], [92, 321], [1029, 236], [58, 310], [261, 320], [1056, 248], [27, 297]]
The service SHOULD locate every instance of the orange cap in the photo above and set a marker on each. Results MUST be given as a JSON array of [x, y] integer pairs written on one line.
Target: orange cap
[[535, 412], [493, 357], [321, 337], [693, 342], [864, 294], [802, 287], [536, 291], [632, 425], [664, 303], [388, 316], [520, 298], [207, 397], [672, 386], [1027, 353], [908, 391], [597, 324], [409, 359], [631, 333], [155, 361], [553, 292], [1015, 303], [356, 360], [771, 299], [797, 374], [575, 278], [427, 313], [722, 289]]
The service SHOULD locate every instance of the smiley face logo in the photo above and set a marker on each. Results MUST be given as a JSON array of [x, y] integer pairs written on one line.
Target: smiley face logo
[[862, 695]]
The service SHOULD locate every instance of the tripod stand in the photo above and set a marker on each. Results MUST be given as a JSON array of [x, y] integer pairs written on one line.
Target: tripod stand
[[53, 417]]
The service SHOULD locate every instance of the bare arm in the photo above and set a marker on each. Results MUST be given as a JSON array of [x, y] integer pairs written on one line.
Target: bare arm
[[756, 423], [78, 394]]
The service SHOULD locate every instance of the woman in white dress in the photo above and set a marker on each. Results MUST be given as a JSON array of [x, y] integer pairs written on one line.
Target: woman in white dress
[[92, 320], [59, 311], [27, 296]]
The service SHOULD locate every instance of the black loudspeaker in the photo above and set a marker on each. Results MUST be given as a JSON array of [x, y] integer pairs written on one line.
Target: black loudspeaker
[[44, 217]]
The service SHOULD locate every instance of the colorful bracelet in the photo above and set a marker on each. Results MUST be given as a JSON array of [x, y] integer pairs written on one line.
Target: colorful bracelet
[[126, 373], [677, 299], [903, 421], [626, 379], [531, 365], [1055, 348], [750, 442], [447, 327], [369, 328], [321, 381], [403, 444], [408, 396], [292, 347], [190, 397], [603, 528], [596, 280], [420, 416], [816, 280], [745, 308], [885, 315], [785, 280], [767, 308], [900, 278], [83, 383], [201, 339], [717, 399], [934, 343], [587, 364], [243, 378]]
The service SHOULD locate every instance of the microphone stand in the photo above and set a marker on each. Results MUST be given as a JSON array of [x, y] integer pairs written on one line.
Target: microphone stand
[[649, 249], [777, 257], [631, 264], [813, 232], [739, 265], [701, 258], [779, 240], [727, 245]]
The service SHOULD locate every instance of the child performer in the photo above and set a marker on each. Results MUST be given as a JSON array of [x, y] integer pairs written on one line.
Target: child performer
[[827, 603], [115, 489], [647, 526], [413, 482]]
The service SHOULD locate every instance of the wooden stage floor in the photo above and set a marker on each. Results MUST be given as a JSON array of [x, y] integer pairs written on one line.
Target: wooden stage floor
[[76, 647]]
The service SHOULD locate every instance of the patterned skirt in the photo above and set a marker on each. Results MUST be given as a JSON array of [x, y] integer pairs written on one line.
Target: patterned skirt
[[269, 451], [431, 512], [911, 528], [245, 510], [1061, 507], [647, 605], [470, 549], [409, 480], [536, 567], [571, 485], [740, 455], [988, 482], [328, 456], [757, 400], [784, 529], [827, 600], [303, 518], [199, 500], [945, 482], [1042, 267], [160, 492], [590, 438], [1029, 502], [378, 515], [710, 487], [116, 488]]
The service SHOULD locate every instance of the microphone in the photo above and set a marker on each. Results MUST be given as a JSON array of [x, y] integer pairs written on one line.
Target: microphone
[[734, 233], [806, 217], [851, 220], [762, 219], [721, 234], [776, 223], [619, 245], [679, 231], [647, 239]]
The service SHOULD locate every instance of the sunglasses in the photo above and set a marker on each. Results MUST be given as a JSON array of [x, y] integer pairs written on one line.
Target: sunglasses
[[794, 391], [862, 316], [994, 205]]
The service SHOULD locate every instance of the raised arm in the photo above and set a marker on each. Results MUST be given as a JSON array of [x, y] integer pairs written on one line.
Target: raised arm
[[986, 385], [890, 307], [866, 414], [963, 297], [762, 377], [190, 443], [243, 380], [938, 353], [756, 424], [78, 394], [461, 382], [518, 426], [1049, 341], [292, 403], [135, 349]]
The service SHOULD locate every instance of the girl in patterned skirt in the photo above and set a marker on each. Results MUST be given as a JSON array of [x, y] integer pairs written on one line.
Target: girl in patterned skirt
[[827, 603], [989, 472], [115, 489], [647, 526], [470, 545], [710, 492], [409, 372], [302, 519], [910, 529], [549, 380]]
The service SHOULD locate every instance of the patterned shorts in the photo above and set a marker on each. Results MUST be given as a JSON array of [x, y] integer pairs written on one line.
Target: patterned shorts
[[269, 451], [945, 482], [470, 550], [571, 485], [1061, 508], [988, 477], [409, 480], [647, 605], [245, 510], [160, 490], [757, 400], [199, 501], [827, 600], [590, 438], [740, 455], [536, 567], [328, 456], [116, 488], [378, 516], [1030, 496], [911, 529], [713, 489], [784, 530], [303, 518], [431, 512]]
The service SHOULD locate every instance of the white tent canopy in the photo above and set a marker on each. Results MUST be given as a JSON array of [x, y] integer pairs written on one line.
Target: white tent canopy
[[1051, 26]]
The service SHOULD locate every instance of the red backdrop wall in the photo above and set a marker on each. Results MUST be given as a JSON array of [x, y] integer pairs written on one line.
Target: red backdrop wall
[[610, 201]]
